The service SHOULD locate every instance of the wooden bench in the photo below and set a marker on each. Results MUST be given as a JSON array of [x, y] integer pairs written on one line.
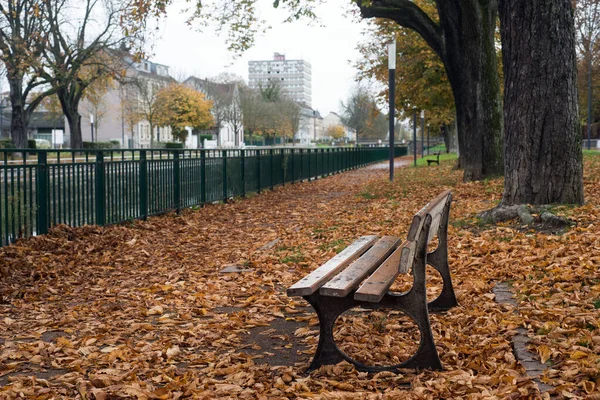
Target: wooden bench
[[361, 275], [436, 160]]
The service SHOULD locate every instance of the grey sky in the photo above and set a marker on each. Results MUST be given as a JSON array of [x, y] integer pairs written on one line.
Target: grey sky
[[329, 49]]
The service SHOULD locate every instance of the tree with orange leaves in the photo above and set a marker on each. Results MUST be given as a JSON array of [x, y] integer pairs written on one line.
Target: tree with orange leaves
[[180, 106]]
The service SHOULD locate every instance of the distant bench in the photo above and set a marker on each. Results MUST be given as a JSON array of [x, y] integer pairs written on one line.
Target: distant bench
[[362, 274], [435, 160]]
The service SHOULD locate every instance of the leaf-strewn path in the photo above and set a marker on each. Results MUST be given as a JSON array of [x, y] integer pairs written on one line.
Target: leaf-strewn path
[[144, 310]]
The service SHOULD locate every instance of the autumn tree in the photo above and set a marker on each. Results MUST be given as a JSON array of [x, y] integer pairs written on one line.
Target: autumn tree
[[80, 36], [131, 112], [289, 111], [335, 132], [252, 108], [543, 141], [180, 106], [587, 32], [421, 81], [22, 27], [360, 112], [145, 91], [95, 98], [461, 34], [221, 96]]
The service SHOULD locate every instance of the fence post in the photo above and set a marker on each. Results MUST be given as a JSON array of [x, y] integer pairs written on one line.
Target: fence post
[[100, 189], [258, 170], [143, 185], [284, 167], [301, 164], [42, 194], [272, 167], [176, 182], [225, 193], [309, 172], [243, 171], [293, 168], [203, 177]]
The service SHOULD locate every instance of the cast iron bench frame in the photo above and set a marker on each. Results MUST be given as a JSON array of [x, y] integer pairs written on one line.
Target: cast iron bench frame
[[437, 159], [334, 287]]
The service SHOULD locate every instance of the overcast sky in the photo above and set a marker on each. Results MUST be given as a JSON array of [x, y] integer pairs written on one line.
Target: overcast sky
[[330, 49]]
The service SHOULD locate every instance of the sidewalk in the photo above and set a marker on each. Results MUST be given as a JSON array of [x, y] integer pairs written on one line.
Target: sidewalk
[[195, 305]]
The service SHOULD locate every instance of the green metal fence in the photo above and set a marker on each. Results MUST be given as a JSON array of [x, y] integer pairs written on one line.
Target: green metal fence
[[43, 188]]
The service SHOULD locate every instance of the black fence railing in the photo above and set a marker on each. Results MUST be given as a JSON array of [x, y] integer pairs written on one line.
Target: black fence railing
[[43, 188]]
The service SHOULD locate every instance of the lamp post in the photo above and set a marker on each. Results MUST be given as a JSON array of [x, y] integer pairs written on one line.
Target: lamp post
[[415, 136], [392, 108], [589, 119], [422, 133], [92, 125], [2, 107], [428, 132]]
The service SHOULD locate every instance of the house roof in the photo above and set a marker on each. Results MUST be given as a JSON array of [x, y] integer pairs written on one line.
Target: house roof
[[205, 86]]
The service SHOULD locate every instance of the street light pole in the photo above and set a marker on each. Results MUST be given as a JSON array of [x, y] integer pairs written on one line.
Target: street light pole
[[428, 132], [392, 108], [92, 125], [422, 133], [589, 119], [415, 136]]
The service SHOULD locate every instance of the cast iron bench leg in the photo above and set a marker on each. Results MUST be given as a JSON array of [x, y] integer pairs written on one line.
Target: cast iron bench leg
[[438, 259]]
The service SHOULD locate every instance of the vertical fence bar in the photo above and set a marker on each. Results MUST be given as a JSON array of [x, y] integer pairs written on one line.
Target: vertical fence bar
[[272, 167], [243, 172], [203, 176], [293, 161], [225, 194], [284, 167], [42, 195], [100, 189], [258, 171], [301, 164], [176, 181], [143, 188], [309, 163]]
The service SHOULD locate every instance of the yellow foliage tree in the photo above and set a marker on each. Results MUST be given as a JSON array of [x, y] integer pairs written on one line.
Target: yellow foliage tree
[[336, 132], [180, 106]]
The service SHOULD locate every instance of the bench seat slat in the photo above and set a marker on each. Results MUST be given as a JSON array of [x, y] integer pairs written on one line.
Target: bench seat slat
[[349, 279], [313, 281], [374, 288]]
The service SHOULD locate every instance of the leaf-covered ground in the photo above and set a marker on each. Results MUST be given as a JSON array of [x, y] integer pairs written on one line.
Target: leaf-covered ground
[[144, 310]]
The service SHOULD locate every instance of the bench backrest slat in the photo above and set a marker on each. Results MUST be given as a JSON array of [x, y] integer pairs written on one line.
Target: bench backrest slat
[[313, 281], [349, 279], [433, 208], [377, 285]]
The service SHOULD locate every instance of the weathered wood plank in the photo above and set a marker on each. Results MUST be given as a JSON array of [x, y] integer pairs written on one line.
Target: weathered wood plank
[[313, 281], [433, 208], [408, 257], [349, 279], [376, 286]]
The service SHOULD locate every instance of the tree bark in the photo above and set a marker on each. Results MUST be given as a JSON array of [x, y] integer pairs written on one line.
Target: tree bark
[[20, 115], [464, 40], [472, 67], [74, 121], [543, 159]]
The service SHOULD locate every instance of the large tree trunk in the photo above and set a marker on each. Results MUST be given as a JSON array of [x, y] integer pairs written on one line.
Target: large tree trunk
[[20, 116], [464, 40], [472, 66], [543, 159], [74, 121]]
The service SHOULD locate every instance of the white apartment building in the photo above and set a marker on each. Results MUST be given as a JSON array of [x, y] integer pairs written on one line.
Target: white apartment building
[[293, 76]]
